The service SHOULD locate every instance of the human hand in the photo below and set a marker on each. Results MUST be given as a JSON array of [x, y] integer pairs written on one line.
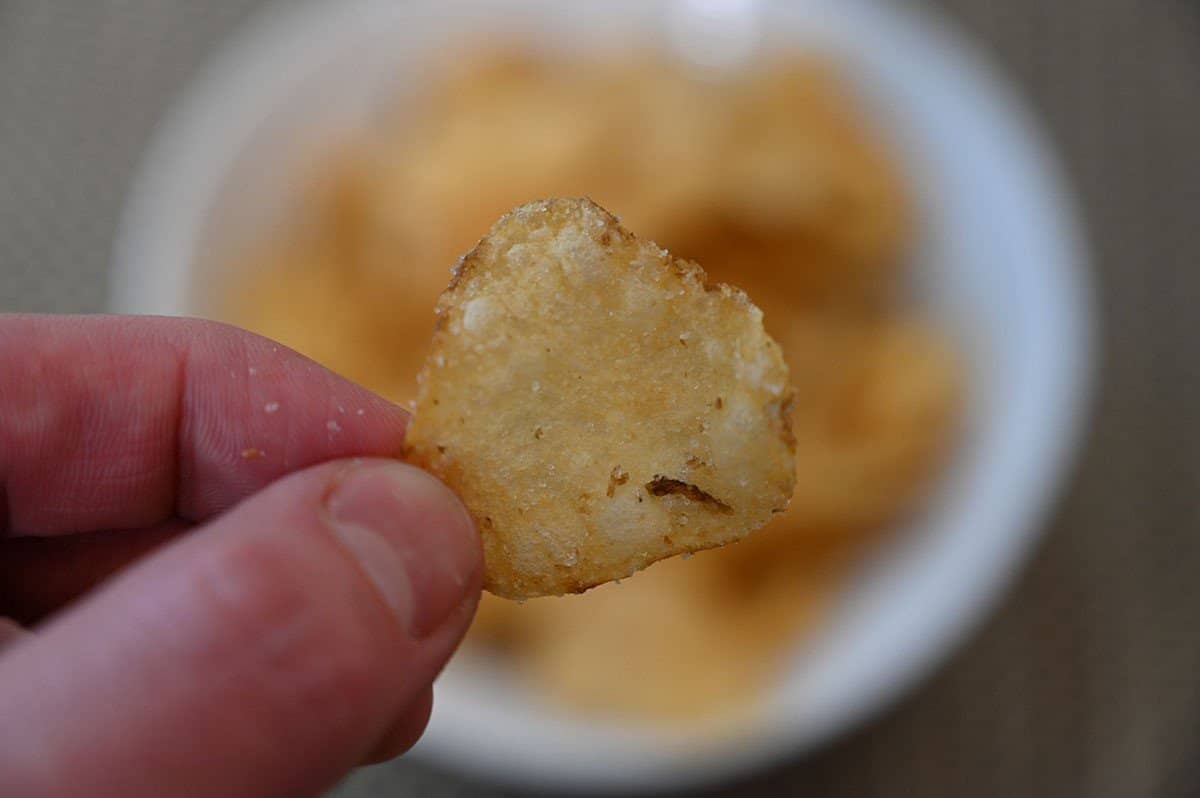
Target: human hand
[[297, 604]]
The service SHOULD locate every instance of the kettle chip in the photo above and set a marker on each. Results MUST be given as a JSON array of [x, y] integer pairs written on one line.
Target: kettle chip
[[597, 404]]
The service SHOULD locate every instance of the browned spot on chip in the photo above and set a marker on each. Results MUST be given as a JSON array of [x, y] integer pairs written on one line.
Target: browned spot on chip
[[617, 477], [666, 486], [785, 421]]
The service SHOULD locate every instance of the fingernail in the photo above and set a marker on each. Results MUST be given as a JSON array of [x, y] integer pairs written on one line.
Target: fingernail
[[412, 538]]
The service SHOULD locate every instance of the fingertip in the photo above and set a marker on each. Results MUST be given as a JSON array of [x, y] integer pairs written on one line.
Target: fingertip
[[412, 537], [262, 640], [404, 733]]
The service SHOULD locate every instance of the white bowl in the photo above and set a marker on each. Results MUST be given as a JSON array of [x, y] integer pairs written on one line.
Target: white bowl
[[1001, 264]]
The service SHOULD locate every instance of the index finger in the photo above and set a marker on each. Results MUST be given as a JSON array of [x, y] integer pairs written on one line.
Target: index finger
[[111, 422]]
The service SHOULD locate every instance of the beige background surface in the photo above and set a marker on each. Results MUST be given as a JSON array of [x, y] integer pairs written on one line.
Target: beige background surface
[[1088, 680]]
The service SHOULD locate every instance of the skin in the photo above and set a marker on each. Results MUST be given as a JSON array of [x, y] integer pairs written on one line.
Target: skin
[[214, 579]]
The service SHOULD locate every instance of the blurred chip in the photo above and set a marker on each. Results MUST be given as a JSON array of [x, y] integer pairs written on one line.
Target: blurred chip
[[775, 179], [873, 429]]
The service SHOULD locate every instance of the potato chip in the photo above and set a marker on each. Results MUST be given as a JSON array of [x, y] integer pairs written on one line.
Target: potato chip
[[597, 405], [875, 429], [680, 641], [497, 624], [775, 179], [324, 315], [658, 646]]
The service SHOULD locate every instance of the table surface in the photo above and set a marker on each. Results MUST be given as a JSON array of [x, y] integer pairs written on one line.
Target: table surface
[[1087, 682]]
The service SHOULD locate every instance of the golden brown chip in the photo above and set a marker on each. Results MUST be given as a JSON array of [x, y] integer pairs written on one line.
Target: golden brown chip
[[597, 405], [872, 430], [497, 623], [680, 641], [326, 316], [777, 182], [656, 646]]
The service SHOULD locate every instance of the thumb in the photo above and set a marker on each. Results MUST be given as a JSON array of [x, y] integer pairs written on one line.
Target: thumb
[[264, 654]]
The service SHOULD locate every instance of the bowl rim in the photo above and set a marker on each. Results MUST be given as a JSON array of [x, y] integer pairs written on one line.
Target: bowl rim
[[175, 182]]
